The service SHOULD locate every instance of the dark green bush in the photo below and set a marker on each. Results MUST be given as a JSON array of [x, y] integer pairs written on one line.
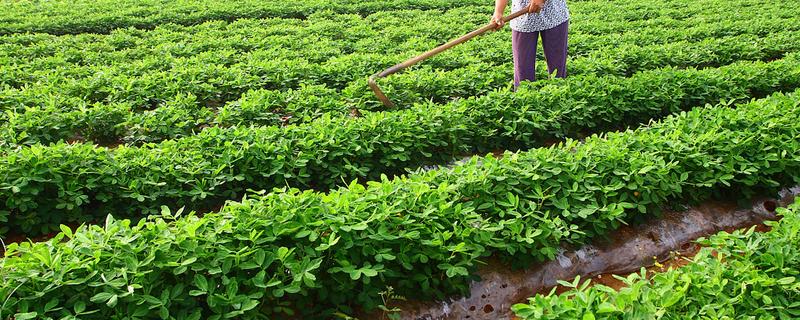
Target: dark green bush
[[44, 186], [310, 254], [221, 63]]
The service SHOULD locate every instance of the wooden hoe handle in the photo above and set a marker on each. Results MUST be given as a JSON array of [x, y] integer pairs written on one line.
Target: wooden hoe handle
[[410, 62]]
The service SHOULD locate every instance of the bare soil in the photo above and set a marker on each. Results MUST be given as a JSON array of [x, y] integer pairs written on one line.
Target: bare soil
[[658, 245]]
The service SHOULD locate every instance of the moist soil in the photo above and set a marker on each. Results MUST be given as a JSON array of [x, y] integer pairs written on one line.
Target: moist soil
[[658, 245]]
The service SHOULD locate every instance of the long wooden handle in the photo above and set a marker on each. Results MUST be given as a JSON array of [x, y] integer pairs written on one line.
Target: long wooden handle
[[448, 45], [452, 43]]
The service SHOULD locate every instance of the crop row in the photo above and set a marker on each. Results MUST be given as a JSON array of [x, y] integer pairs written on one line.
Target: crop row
[[123, 120], [317, 39], [145, 78], [736, 275], [51, 122], [59, 17], [180, 116], [388, 32], [43, 186], [310, 254], [289, 39]]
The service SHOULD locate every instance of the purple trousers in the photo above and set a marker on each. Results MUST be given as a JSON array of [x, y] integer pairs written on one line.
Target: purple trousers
[[554, 42]]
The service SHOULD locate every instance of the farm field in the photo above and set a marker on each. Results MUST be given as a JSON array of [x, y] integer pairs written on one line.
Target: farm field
[[210, 160]]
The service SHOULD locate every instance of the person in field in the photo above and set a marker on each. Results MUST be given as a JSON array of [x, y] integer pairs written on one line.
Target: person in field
[[550, 18]]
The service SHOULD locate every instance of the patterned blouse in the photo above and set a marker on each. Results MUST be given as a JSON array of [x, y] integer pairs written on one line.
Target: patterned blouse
[[553, 13]]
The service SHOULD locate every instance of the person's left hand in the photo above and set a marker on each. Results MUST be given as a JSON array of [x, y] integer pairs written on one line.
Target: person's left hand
[[535, 6]]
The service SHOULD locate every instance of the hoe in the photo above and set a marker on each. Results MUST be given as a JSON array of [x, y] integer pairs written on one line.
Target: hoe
[[410, 62]]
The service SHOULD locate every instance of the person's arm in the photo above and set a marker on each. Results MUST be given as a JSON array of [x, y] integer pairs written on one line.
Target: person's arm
[[497, 17]]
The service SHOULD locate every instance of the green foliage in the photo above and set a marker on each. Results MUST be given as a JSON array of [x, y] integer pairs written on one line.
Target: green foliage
[[178, 117], [225, 65], [44, 186], [743, 274], [73, 17], [312, 254], [212, 99], [268, 107]]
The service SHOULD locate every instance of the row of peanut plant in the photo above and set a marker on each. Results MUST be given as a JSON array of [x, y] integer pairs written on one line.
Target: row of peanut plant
[[82, 16], [184, 114], [309, 254], [144, 77], [73, 17], [384, 32], [44, 186], [204, 73], [744, 274], [131, 70]]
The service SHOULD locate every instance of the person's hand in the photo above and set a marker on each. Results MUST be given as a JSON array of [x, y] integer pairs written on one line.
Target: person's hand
[[535, 6], [497, 20]]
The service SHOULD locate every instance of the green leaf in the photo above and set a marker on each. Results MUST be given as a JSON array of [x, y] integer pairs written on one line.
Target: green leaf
[[189, 261], [25, 316], [201, 282], [79, 307], [282, 253], [112, 301], [51, 304], [455, 271], [250, 304], [102, 297], [606, 307], [66, 230], [585, 212], [195, 293], [369, 272], [274, 282], [786, 281]]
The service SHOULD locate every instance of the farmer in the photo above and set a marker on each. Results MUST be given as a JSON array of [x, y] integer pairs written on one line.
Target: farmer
[[550, 18]]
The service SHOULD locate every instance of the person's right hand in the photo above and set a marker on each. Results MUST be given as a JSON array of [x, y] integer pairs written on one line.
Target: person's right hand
[[535, 6], [497, 20]]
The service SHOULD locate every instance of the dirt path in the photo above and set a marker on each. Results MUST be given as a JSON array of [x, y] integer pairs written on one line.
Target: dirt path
[[658, 244]]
